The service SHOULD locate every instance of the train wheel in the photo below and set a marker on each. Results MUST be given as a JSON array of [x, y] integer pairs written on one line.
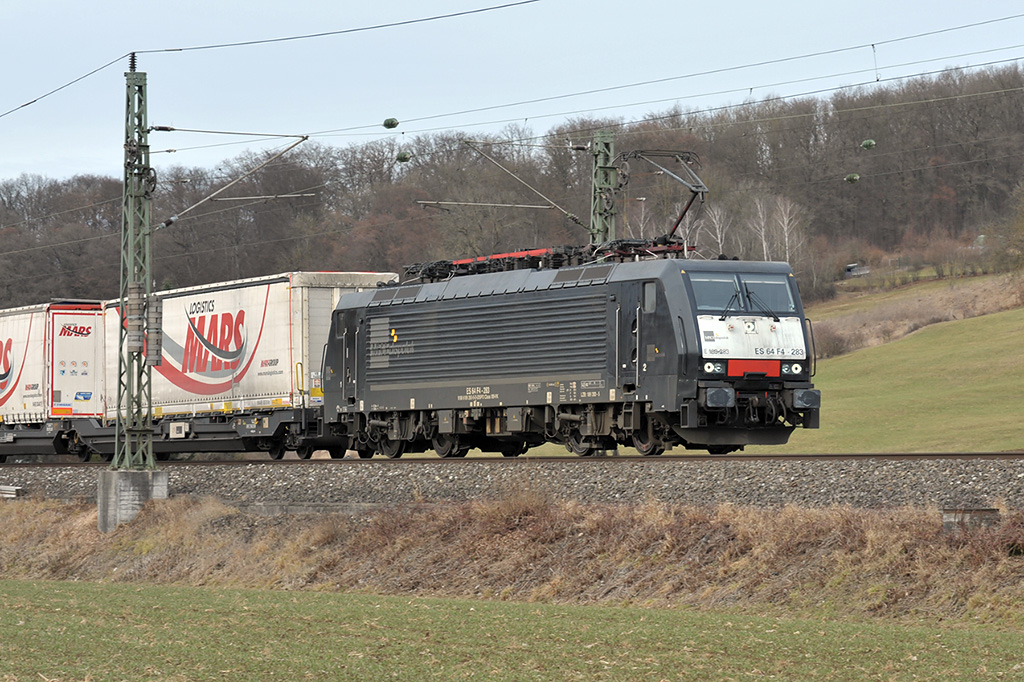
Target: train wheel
[[276, 451], [512, 449], [576, 445], [445, 445], [647, 445], [365, 454], [392, 449], [305, 451], [337, 453]]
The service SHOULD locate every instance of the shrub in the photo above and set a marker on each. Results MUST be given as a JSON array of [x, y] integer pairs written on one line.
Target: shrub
[[830, 341]]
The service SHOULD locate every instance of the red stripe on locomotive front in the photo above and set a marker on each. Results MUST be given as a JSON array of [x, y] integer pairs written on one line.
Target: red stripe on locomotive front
[[738, 368]]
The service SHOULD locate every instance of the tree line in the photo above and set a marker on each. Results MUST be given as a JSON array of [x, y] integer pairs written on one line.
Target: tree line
[[910, 173]]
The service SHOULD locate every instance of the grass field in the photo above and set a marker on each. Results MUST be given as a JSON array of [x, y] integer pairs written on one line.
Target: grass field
[[64, 632], [855, 298]]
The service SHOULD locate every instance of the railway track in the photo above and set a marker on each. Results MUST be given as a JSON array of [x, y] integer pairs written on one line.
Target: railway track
[[939, 480], [583, 461]]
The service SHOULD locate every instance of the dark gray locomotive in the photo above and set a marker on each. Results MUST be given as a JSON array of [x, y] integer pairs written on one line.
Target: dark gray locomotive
[[652, 354]]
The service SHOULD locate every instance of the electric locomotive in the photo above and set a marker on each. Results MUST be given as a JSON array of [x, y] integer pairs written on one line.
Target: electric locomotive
[[653, 354]]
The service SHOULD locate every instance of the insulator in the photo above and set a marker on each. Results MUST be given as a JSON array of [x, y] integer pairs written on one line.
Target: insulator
[[403, 157], [135, 340], [852, 178], [154, 347], [135, 299], [154, 313], [390, 123], [154, 333], [867, 144]]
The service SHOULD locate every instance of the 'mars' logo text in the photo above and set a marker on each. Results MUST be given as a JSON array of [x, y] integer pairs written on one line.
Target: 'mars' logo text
[[75, 330], [214, 342]]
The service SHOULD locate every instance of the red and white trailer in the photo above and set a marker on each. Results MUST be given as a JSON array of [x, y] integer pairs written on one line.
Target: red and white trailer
[[51, 371], [240, 361], [239, 371]]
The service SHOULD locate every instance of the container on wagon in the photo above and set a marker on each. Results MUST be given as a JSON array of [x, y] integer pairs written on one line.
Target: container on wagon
[[51, 359], [240, 346]]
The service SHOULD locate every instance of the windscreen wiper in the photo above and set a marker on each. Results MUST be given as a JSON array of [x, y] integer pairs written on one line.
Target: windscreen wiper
[[728, 306], [757, 301]]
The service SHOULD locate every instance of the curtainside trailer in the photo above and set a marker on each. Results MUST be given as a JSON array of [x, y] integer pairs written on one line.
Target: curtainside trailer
[[51, 373], [238, 371]]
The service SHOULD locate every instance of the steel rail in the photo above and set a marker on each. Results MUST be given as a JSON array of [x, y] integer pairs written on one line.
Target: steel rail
[[583, 461]]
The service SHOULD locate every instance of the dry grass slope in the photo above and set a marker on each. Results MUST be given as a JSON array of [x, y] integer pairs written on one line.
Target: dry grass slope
[[893, 563], [863, 320]]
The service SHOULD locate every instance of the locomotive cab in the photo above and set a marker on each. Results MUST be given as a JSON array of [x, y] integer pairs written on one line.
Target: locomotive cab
[[754, 355]]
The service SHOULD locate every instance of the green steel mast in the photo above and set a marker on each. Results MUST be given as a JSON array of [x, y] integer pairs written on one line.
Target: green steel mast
[[133, 445]]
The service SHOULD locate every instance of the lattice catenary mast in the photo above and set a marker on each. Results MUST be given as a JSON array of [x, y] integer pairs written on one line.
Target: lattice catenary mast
[[139, 312]]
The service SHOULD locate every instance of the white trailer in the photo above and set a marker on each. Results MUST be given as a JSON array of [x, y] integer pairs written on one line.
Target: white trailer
[[240, 361], [51, 371]]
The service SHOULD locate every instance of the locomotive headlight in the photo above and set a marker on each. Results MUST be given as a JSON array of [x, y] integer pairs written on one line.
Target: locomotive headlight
[[714, 367], [792, 368]]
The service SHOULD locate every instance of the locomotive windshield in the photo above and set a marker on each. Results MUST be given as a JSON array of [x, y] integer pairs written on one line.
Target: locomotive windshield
[[724, 293], [771, 290], [715, 292]]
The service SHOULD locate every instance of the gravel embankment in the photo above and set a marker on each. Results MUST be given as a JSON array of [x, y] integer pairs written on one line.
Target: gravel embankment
[[858, 483]]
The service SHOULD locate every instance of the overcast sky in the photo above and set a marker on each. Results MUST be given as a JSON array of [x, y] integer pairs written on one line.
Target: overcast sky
[[423, 73]]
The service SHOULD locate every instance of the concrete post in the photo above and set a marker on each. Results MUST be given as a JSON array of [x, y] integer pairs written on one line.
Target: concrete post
[[122, 494]]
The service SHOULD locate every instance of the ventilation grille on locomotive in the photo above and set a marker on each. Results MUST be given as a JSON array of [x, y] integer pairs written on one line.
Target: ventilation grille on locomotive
[[527, 335]]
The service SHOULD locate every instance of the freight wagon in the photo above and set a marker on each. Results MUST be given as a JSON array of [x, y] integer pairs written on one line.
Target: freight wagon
[[239, 371]]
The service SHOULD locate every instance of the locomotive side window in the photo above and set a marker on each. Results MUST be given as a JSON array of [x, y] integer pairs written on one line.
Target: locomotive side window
[[773, 290], [650, 296], [714, 292]]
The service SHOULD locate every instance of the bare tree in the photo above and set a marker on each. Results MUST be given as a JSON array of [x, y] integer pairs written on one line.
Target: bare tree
[[636, 219], [718, 230], [760, 225], [789, 218]]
